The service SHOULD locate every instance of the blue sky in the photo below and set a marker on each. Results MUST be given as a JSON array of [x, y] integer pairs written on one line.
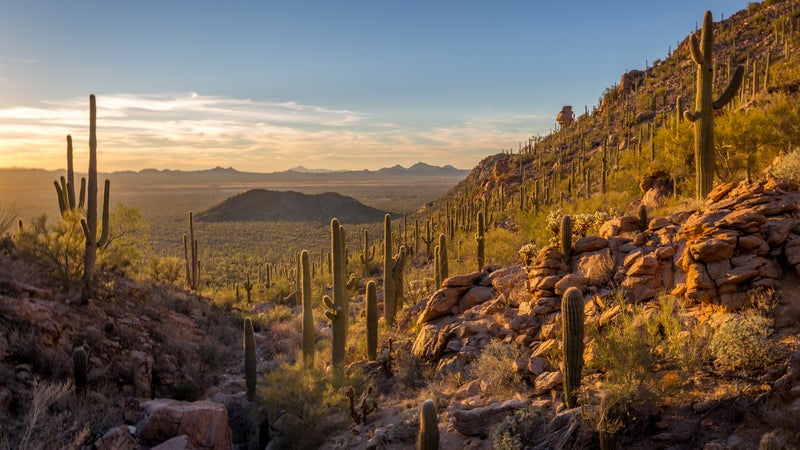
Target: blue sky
[[264, 86]]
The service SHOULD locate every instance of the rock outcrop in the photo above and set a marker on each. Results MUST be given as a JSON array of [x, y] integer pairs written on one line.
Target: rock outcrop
[[203, 424], [740, 241]]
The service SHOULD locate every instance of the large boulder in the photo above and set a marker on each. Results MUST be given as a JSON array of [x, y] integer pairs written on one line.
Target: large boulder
[[204, 423]]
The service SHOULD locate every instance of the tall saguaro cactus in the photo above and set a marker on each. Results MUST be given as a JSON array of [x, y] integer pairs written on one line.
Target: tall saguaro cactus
[[565, 232], [703, 113], [443, 267], [250, 376], [90, 224], [66, 189], [308, 314], [190, 256], [572, 329], [337, 308], [388, 266], [480, 238], [372, 321], [367, 253]]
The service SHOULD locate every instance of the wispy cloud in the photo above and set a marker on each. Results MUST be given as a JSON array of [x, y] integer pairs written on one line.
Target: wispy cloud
[[20, 60], [192, 131]]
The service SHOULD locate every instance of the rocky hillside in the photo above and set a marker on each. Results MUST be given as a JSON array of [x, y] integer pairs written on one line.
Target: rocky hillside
[[634, 129], [742, 243], [290, 206]]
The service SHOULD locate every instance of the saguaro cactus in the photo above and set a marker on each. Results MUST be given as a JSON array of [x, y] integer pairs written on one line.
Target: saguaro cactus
[[388, 266], [480, 238], [703, 114], [399, 262], [80, 364], [66, 189], [443, 268], [372, 321], [190, 256], [565, 233], [367, 254], [642, 217], [308, 314], [769, 441], [90, 224], [428, 239], [572, 329], [337, 308], [428, 426], [250, 376], [437, 273], [248, 287]]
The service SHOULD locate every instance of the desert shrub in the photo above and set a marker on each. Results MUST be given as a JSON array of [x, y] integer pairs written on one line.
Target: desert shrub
[[167, 269], [742, 342], [54, 417], [647, 351], [302, 399], [788, 168], [8, 216], [495, 368], [60, 247], [127, 240], [523, 429]]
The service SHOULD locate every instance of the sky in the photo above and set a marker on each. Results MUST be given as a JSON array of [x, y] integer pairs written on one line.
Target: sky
[[265, 86]]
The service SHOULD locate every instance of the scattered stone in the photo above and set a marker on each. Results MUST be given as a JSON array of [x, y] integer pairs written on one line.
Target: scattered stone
[[478, 421]]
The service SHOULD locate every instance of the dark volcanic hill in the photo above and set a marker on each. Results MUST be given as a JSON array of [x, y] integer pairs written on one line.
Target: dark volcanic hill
[[290, 206]]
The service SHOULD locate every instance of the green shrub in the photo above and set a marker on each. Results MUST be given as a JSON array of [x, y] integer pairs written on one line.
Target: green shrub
[[788, 168], [306, 397], [742, 342], [523, 429], [646, 352], [60, 247]]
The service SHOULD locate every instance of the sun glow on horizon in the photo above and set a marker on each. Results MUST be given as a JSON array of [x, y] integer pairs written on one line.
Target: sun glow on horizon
[[191, 131]]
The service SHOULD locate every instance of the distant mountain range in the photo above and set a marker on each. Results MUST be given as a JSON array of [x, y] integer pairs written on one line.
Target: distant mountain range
[[290, 206], [219, 175]]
